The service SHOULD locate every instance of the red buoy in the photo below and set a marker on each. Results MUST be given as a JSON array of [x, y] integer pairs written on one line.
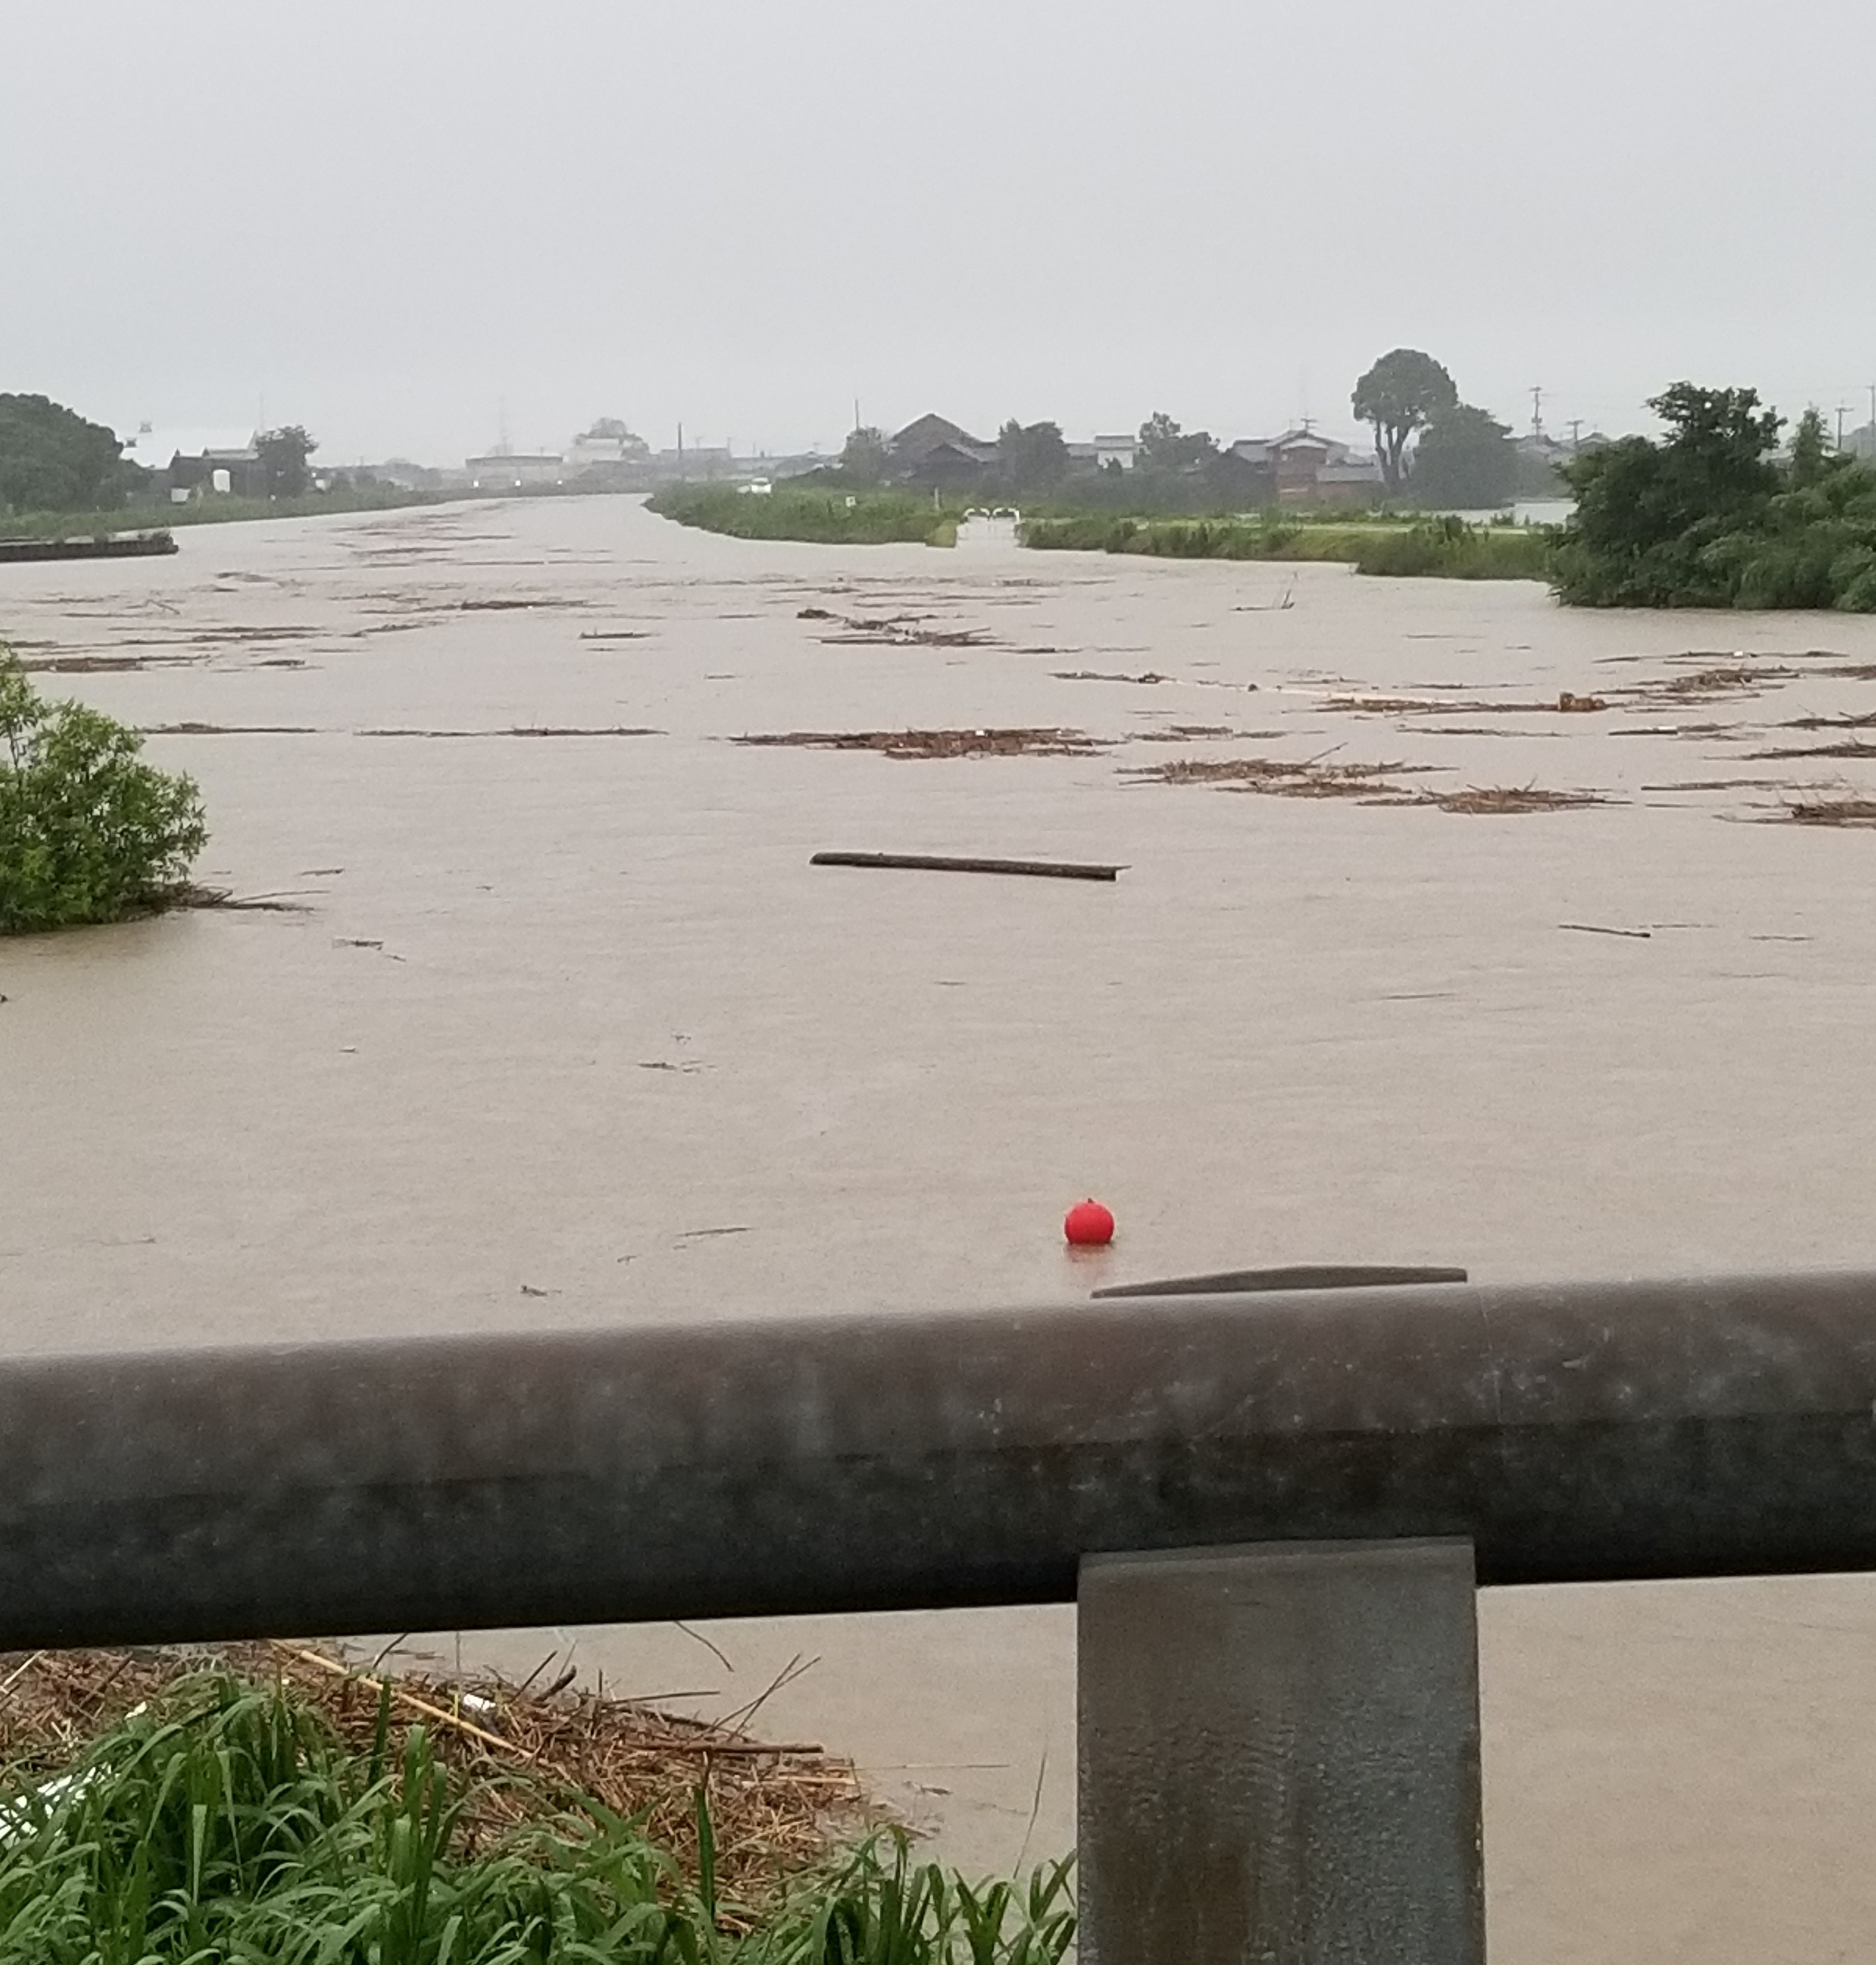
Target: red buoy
[[1088, 1225]]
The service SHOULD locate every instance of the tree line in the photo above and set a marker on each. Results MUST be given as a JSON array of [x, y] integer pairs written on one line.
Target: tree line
[[1434, 450], [53, 459]]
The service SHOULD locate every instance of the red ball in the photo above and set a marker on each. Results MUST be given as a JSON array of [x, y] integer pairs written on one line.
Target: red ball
[[1088, 1225]]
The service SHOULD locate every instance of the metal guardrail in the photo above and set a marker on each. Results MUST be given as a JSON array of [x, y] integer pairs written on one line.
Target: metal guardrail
[[1372, 1444]]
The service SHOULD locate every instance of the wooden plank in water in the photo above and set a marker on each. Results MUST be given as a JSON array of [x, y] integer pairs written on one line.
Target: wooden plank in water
[[938, 862], [1318, 1275]]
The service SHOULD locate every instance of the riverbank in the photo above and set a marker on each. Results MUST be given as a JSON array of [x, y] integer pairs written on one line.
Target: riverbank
[[1437, 549], [818, 517], [438, 1816], [211, 512], [156, 545], [1447, 549]]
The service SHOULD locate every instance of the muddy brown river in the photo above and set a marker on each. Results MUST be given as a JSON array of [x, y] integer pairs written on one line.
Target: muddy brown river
[[562, 1028]]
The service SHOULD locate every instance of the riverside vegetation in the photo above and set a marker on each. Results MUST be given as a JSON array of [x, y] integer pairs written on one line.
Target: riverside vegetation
[[1373, 544], [1446, 547], [230, 1821], [88, 832], [1712, 515], [822, 517]]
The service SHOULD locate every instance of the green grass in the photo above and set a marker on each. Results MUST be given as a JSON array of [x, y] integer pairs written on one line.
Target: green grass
[[821, 517], [234, 1826], [208, 512], [1444, 548]]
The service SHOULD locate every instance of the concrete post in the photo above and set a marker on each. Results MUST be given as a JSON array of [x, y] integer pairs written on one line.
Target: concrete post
[[1279, 1756]]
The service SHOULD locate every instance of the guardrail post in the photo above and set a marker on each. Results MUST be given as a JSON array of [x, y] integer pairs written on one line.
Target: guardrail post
[[1279, 1756]]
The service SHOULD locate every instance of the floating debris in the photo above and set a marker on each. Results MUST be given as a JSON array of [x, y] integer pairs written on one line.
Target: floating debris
[[1492, 800], [1830, 812], [776, 1809], [1851, 747], [529, 730], [1022, 743], [935, 863], [1280, 777]]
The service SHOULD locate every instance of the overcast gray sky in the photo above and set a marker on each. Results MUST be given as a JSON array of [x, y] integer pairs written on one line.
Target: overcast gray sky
[[387, 219]]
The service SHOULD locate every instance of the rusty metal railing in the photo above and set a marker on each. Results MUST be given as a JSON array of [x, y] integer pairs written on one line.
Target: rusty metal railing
[[1272, 1508]]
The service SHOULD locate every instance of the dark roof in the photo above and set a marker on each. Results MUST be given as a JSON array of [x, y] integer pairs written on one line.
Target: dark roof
[[917, 438]]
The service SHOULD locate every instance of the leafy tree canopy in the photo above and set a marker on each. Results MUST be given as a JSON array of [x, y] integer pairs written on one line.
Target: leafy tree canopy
[[1031, 457], [865, 456], [1709, 516], [283, 454], [88, 832], [52, 459], [1165, 448], [1399, 395], [1465, 460]]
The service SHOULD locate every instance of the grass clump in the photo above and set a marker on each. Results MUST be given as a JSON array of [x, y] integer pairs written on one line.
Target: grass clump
[[89, 833], [1448, 548], [819, 517], [228, 1822]]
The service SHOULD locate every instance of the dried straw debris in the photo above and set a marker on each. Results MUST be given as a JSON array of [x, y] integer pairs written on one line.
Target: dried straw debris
[[776, 1808], [1051, 742]]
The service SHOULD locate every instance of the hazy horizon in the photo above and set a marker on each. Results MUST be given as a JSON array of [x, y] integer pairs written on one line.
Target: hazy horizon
[[405, 229]]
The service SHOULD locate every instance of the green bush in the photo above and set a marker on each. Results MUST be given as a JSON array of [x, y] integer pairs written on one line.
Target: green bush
[[234, 1826], [1449, 548], [1712, 515], [87, 832]]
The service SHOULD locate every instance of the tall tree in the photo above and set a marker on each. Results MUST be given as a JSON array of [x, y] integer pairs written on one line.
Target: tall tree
[[283, 453], [1031, 457], [1811, 448], [52, 459], [1465, 461], [863, 457], [1648, 514], [1166, 448], [1399, 395]]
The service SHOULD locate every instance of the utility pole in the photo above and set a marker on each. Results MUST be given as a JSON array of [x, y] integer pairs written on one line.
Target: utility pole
[[1843, 410], [680, 450], [1538, 410], [1576, 433]]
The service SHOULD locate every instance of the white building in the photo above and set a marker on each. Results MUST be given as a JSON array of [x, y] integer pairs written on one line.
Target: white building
[[515, 470], [190, 462]]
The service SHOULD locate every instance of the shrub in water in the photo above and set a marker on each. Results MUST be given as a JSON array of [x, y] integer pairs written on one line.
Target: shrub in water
[[88, 832]]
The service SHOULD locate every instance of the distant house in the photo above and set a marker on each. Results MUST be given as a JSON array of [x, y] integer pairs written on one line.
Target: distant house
[[189, 464], [1120, 451], [608, 456], [1303, 466], [515, 470], [934, 450]]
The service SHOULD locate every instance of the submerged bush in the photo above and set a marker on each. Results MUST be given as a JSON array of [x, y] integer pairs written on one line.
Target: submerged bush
[[89, 833], [1450, 548]]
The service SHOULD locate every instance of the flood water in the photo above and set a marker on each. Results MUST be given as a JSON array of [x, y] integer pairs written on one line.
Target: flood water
[[565, 1030]]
